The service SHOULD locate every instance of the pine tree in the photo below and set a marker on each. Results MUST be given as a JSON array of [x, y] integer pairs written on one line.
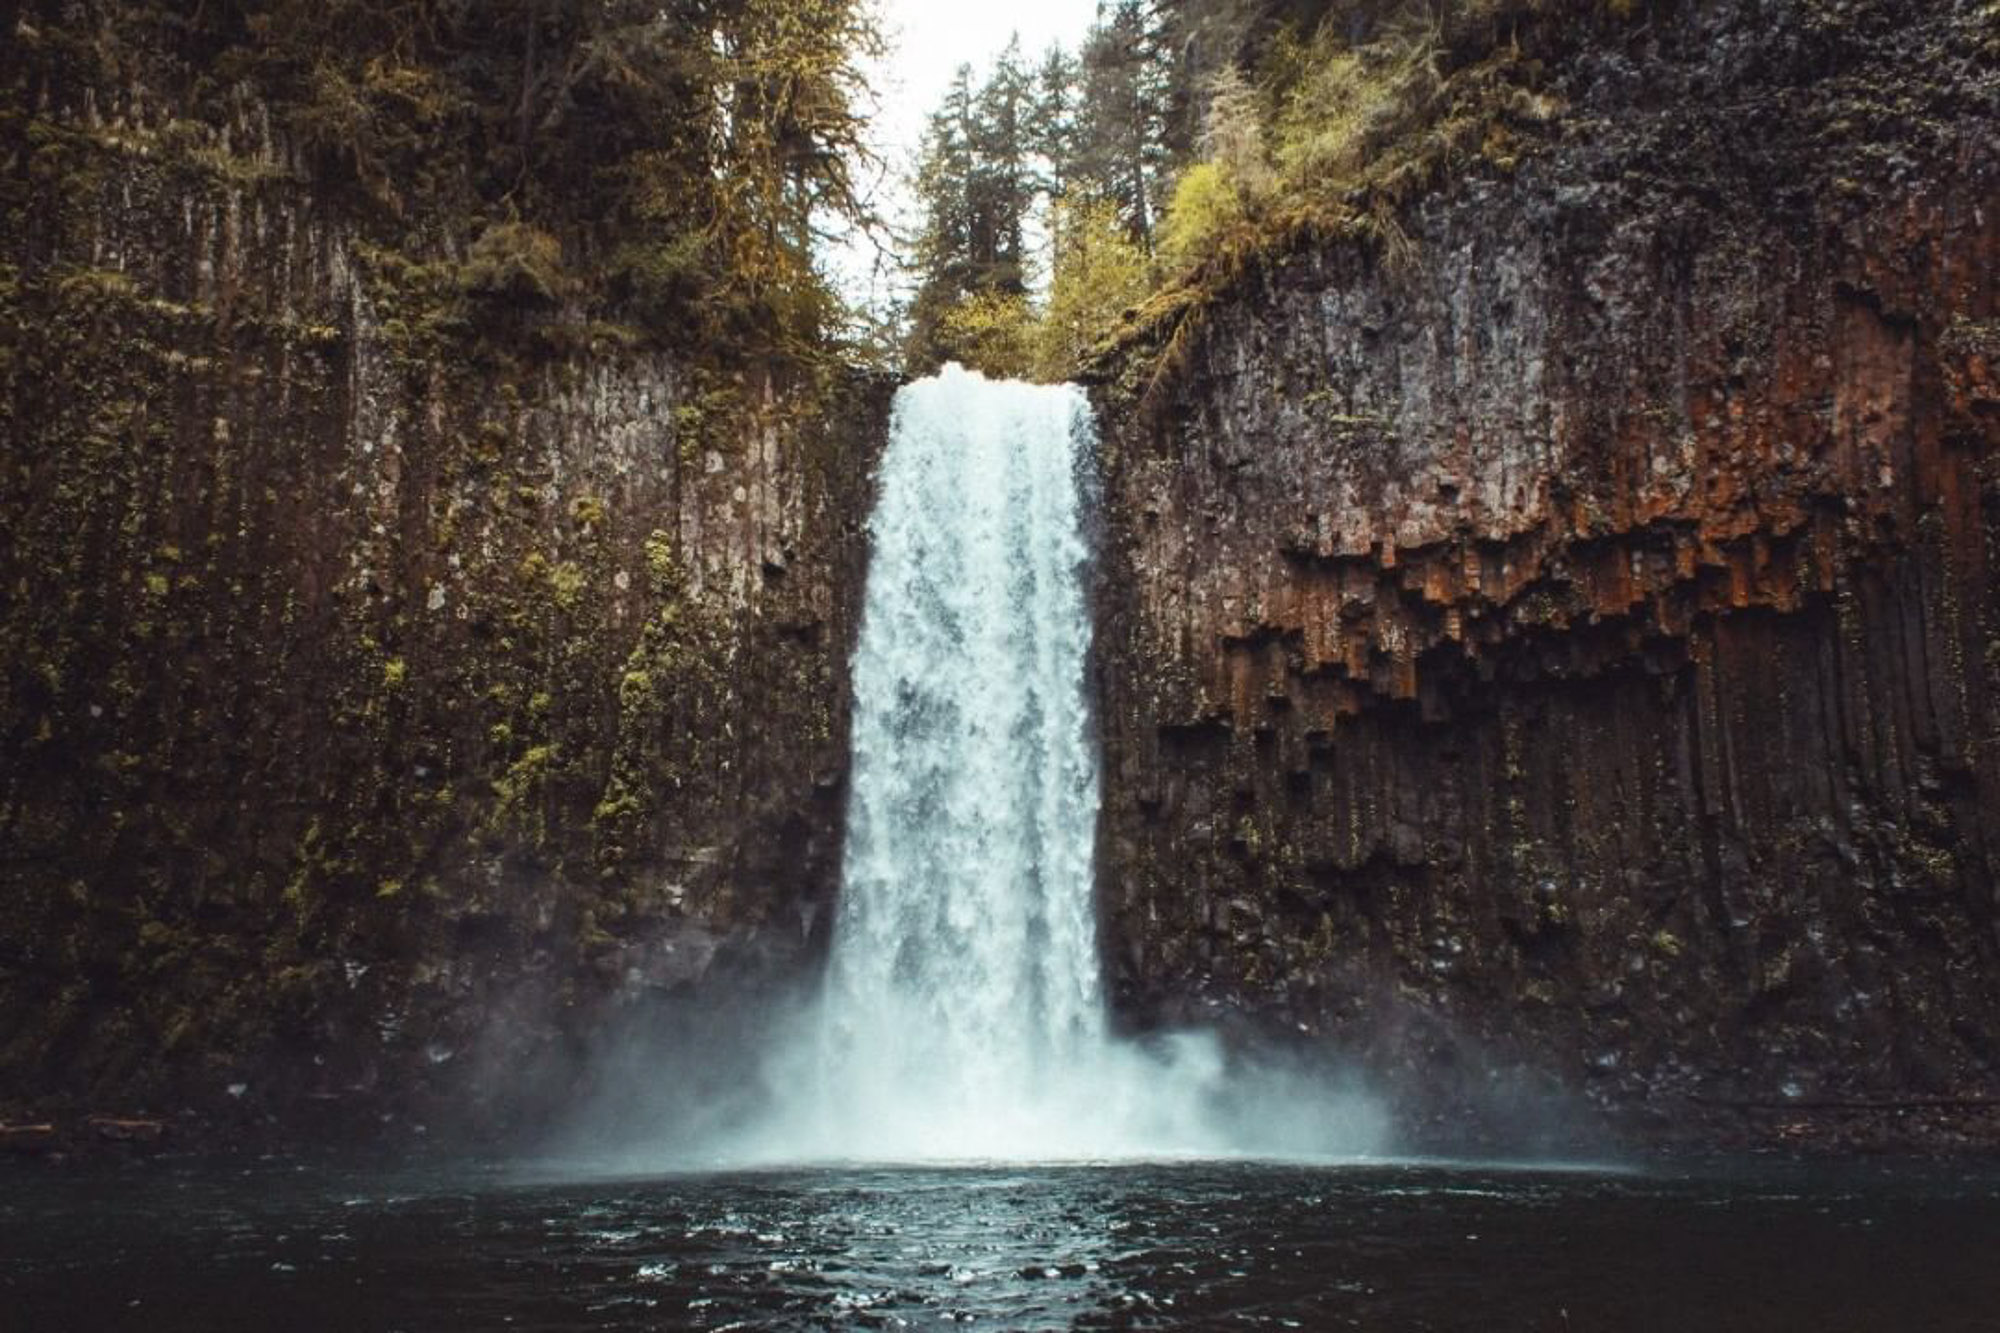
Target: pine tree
[[1195, 41], [943, 188], [1120, 149], [1002, 188], [1053, 133], [977, 185], [693, 146]]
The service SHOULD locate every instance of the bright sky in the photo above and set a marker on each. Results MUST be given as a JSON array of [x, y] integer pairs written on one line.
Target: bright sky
[[931, 38], [928, 40]]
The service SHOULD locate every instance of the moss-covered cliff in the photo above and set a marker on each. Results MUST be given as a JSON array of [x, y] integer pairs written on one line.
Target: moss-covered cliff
[[1548, 608], [1571, 631], [402, 659]]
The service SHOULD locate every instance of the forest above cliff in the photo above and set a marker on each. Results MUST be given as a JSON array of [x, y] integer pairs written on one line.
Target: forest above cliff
[[663, 168], [1097, 198]]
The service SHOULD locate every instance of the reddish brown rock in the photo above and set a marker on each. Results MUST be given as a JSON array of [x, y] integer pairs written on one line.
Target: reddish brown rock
[[1580, 643]]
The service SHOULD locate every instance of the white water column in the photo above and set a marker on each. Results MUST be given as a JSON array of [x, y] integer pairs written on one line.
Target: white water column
[[963, 992], [963, 1016]]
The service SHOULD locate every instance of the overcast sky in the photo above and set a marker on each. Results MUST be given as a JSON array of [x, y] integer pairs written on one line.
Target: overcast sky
[[928, 39], [931, 38]]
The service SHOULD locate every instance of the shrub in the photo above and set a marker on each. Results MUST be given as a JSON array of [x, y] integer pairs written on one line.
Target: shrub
[[1206, 207], [1099, 274], [515, 262], [991, 332]]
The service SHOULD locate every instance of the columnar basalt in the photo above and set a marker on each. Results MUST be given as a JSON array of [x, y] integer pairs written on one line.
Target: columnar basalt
[[1577, 630], [393, 677]]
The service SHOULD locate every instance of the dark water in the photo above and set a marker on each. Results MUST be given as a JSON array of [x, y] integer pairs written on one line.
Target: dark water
[[204, 1246]]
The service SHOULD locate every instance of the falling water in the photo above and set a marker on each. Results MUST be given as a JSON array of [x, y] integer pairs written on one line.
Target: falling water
[[963, 1015], [964, 982]]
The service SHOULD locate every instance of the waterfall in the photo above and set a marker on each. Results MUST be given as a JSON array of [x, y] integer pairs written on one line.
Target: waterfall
[[964, 975], [963, 1015]]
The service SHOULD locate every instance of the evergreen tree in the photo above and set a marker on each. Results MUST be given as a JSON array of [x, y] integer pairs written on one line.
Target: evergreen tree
[[1196, 41], [1120, 151], [944, 249], [691, 146], [1053, 133], [977, 186], [1002, 187]]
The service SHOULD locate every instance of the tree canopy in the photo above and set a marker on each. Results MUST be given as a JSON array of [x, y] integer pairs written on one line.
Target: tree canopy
[[672, 159], [1196, 134]]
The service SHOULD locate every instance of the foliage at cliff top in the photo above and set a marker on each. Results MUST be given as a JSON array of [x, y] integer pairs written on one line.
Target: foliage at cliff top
[[1207, 135], [1337, 127], [668, 162]]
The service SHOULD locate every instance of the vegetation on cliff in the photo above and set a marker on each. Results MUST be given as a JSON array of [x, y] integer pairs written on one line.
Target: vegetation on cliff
[[665, 165], [362, 366], [1213, 135], [434, 507], [1571, 631]]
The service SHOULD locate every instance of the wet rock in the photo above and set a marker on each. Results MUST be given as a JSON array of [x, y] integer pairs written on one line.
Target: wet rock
[[1624, 557], [125, 1129], [36, 1140], [365, 665]]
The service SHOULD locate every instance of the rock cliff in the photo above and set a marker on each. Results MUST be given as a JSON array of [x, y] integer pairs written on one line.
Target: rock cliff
[[1569, 637], [392, 683], [1553, 637]]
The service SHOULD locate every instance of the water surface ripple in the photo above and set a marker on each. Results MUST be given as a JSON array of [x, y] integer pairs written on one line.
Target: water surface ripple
[[202, 1246]]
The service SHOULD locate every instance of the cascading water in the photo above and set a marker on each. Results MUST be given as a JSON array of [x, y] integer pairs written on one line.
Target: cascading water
[[963, 1015], [963, 987]]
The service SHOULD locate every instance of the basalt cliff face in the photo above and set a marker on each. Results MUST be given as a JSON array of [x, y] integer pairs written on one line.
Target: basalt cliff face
[[392, 690], [1571, 641], [1559, 647]]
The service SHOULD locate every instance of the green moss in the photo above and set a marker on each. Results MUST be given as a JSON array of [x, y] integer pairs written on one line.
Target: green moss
[[97, 286], [635, 687], [524, 778], [662, 563], [419, 304], [566, 584], [618, 804], [515, 262], [709, 417]]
